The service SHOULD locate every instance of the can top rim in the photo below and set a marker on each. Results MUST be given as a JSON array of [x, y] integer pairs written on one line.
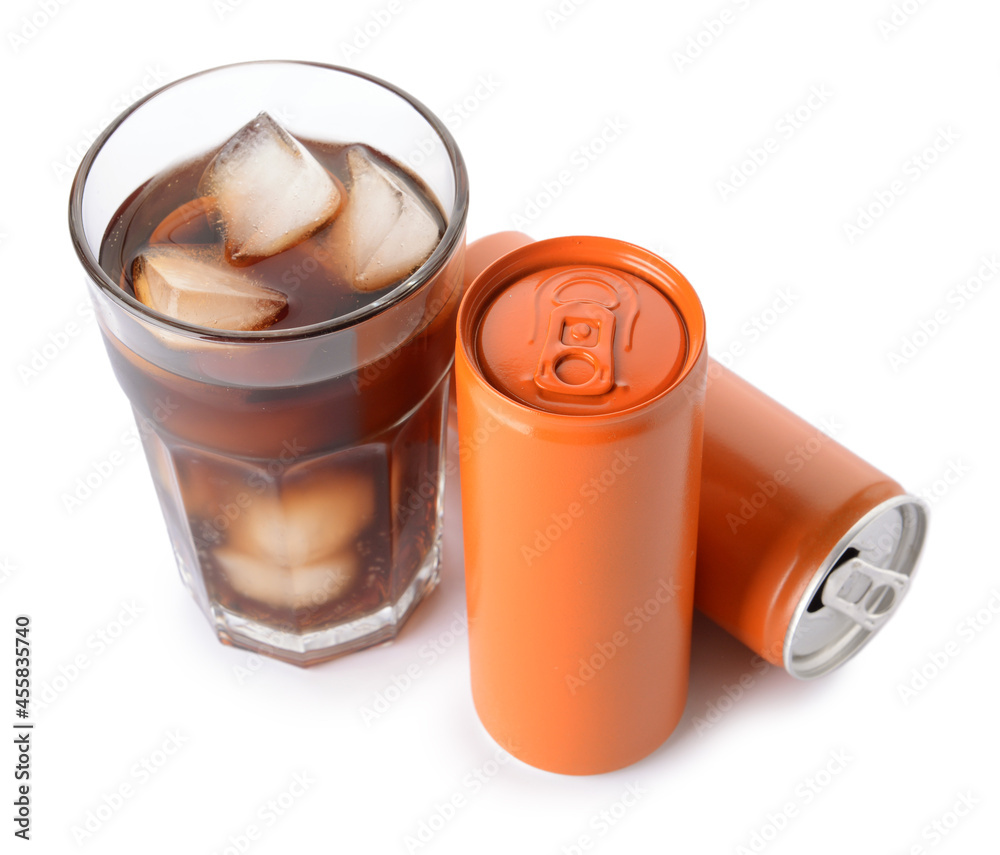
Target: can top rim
[[581, 250], [845, 632]]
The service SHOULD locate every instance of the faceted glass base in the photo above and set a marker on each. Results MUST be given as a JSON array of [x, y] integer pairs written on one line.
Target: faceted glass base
[[312, 648], [305, 557]]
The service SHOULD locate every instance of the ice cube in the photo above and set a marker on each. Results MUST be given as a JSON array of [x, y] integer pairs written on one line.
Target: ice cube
[[195, 285], [299, 587], [385, 230], [270, 192], [306, 521], [190, 223]]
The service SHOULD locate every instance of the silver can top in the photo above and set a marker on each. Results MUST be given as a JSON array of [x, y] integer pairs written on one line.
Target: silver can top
[[857, 588]]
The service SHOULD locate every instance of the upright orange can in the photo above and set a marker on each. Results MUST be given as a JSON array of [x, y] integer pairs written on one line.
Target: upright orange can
[[580, 373]]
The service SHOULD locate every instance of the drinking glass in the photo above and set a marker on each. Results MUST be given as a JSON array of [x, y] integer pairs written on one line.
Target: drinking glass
[[300, 471]]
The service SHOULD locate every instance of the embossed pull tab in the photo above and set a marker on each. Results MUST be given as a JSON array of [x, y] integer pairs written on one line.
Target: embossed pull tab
[[577, 357], [863, 592], [587, 307]]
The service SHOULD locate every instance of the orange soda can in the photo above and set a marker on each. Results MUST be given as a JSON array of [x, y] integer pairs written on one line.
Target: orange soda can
[[804, 549], [580, 371]]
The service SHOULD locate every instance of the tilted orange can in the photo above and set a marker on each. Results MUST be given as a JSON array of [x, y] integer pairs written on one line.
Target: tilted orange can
[[580, 374], [804, 549]]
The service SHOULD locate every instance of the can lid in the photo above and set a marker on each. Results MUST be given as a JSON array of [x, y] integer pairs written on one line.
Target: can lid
[[581, 337], [857, 588]]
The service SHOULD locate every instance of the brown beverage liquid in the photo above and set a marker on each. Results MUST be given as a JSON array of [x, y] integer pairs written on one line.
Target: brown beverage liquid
[[306, 505]]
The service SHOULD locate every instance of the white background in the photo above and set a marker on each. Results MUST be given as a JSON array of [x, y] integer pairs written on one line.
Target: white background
[[538, 88]]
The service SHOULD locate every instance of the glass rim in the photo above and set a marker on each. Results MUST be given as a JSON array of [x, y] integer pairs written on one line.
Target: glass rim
[[442, 252]]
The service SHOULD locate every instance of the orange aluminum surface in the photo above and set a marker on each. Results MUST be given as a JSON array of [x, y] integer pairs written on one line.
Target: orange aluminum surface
[[776, 497], [579, 496]]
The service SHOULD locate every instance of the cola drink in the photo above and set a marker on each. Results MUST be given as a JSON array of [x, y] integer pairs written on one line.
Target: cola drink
[[288, 367]]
